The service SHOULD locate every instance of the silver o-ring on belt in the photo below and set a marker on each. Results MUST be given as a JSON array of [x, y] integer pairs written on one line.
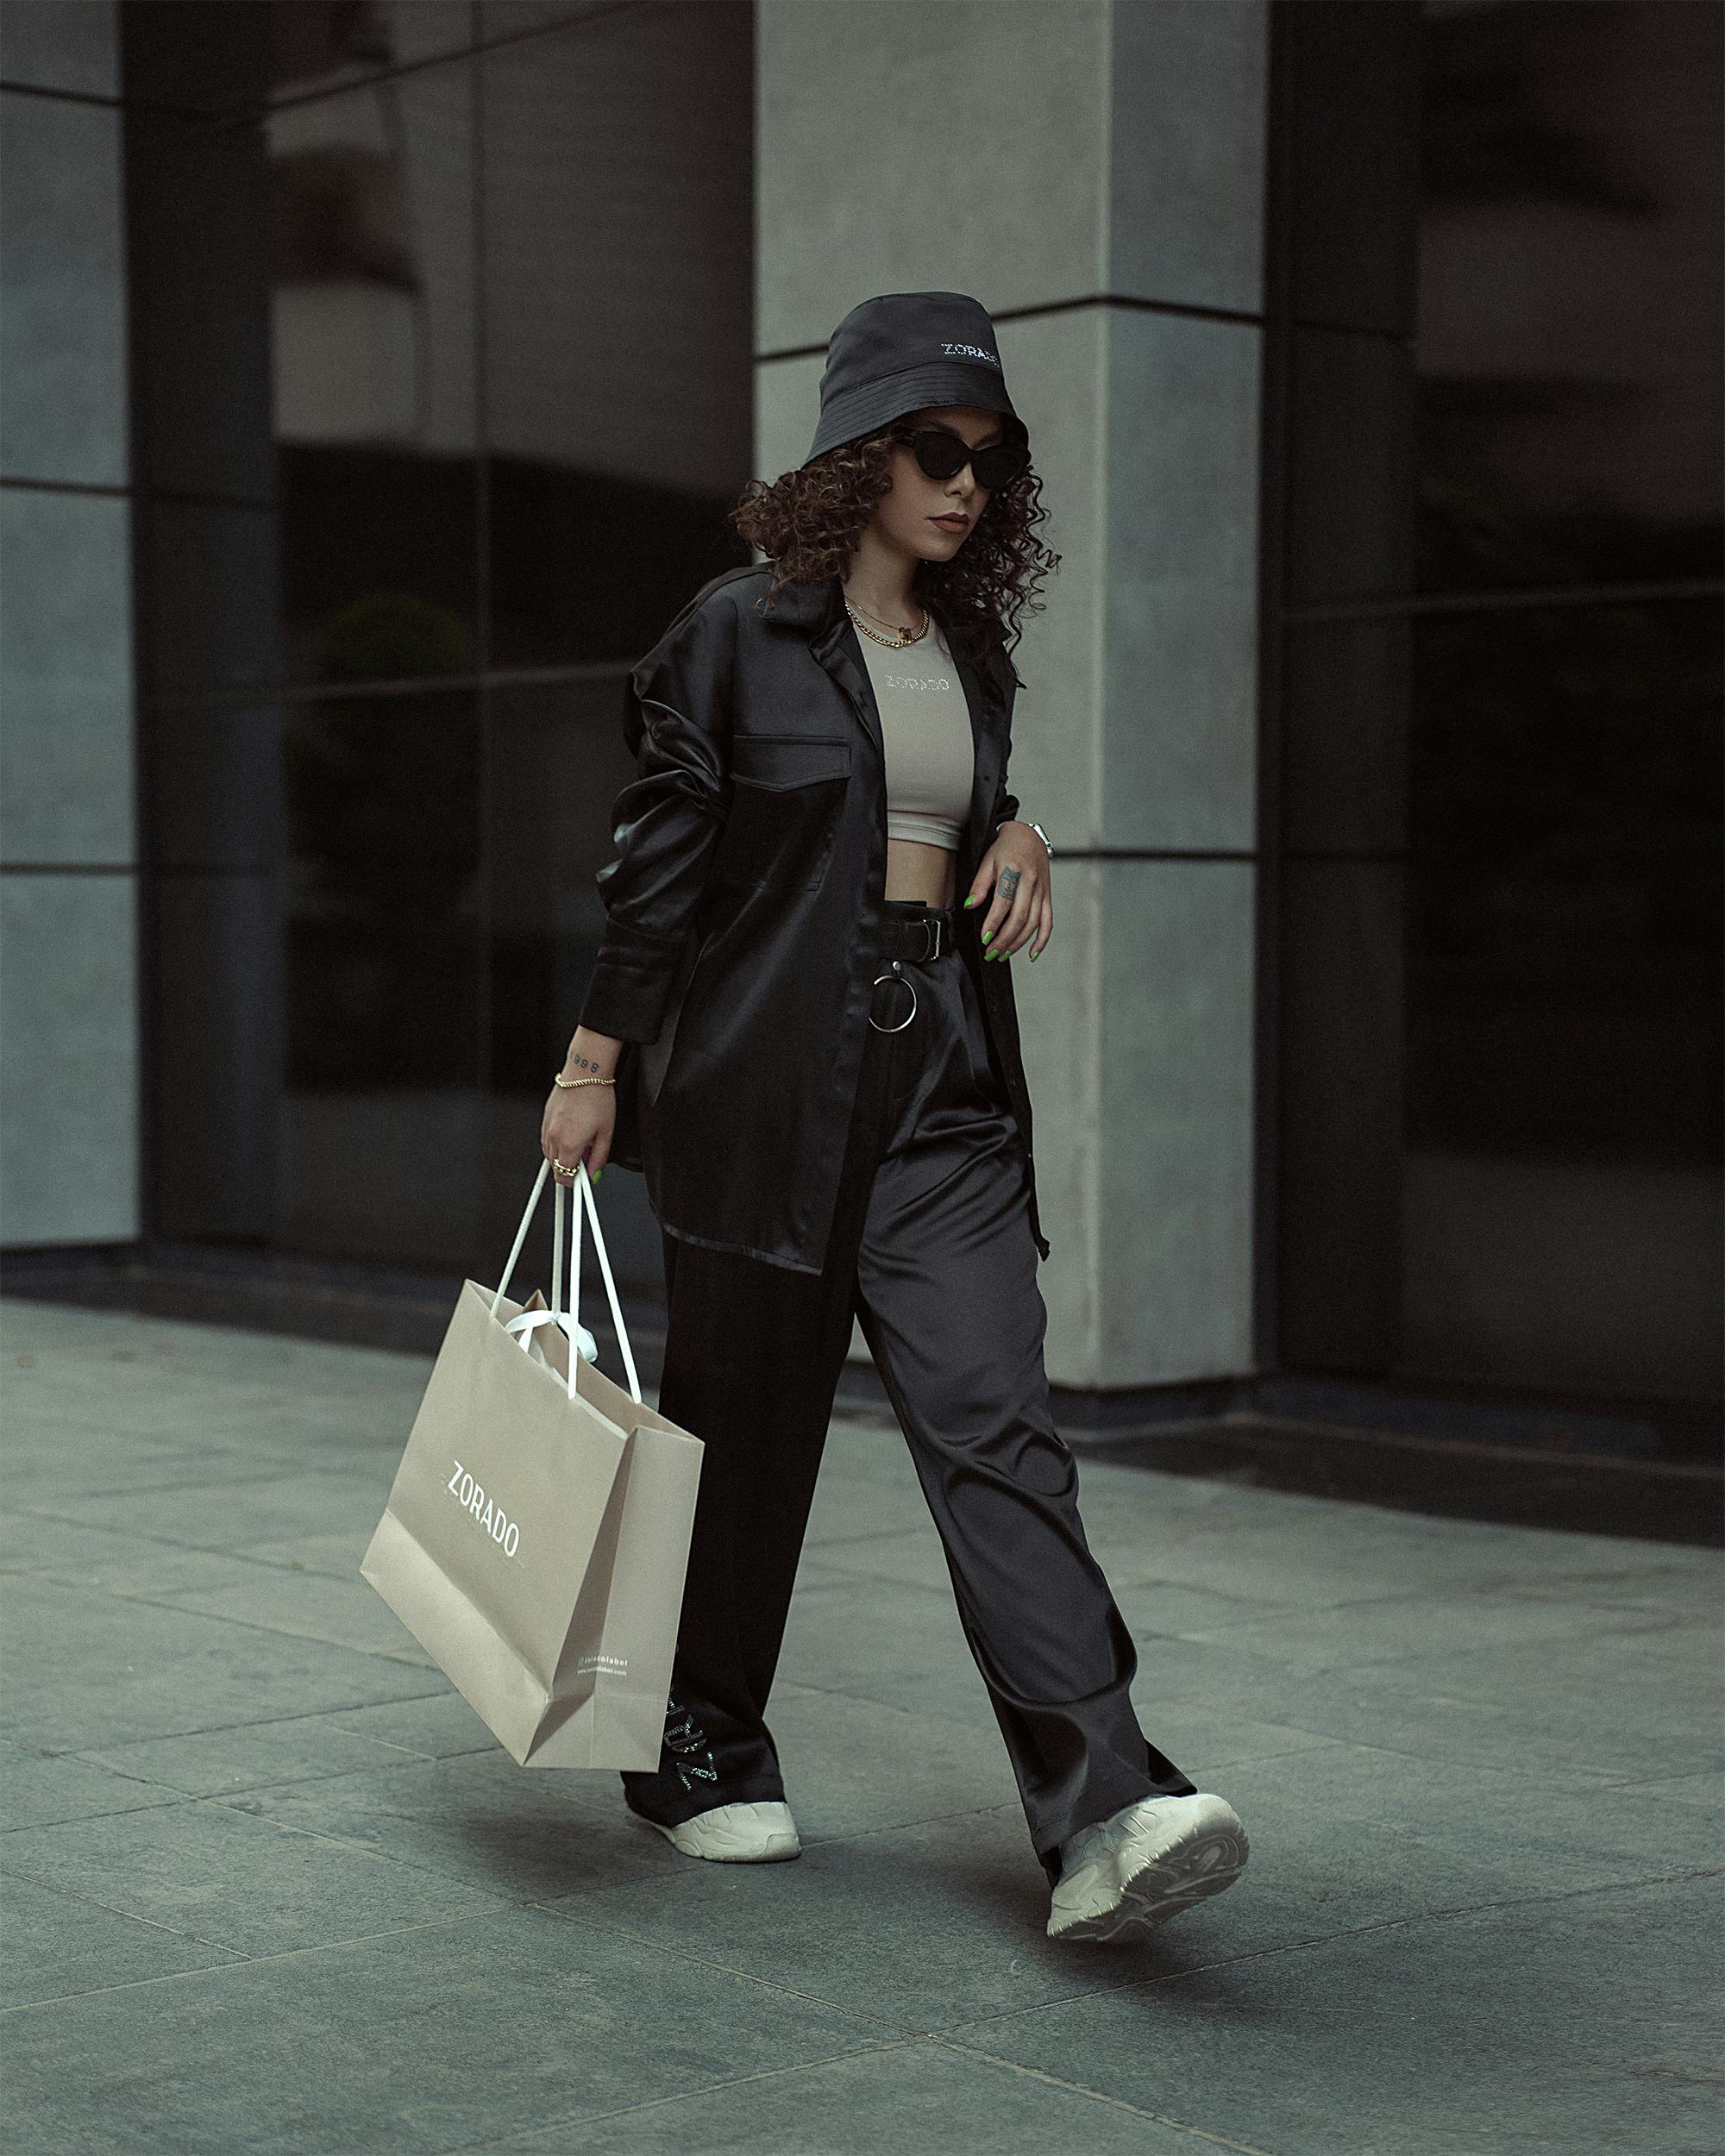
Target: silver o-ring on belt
[[936, 925], [896, 972]]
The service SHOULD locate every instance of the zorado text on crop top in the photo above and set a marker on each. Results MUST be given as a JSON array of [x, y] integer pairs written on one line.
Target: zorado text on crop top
[[925, 729]]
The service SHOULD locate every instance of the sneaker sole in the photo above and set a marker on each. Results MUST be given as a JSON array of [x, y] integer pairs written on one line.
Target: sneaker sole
[[1164, 1884], [770, 1849]]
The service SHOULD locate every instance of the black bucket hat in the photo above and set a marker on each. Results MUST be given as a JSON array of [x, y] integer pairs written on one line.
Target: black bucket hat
[[901, 352]]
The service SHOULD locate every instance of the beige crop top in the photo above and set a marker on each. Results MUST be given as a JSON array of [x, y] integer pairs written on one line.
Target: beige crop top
[[925, 727]]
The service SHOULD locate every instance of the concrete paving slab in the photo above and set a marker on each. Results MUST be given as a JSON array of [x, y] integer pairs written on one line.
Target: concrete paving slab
[[913, 1556], [1398, 1627], [855, 1766], [212, 1515], [259, 1755], [434, 2039], [58, 1945], [1586, 2022], [346, 1613], [1200, 1742], [109, 1559], [235, 1879], [847, 1636], [37, 1788], [1483, 1711], [433, 1725], [914, 2096], [87, 1465], [1706, 1790], [1486, 1558], [86, 1670], [1691, 1584], [1358, 1836], [849, 1508], [336, 1555], [477, 1819], [940, 1919]]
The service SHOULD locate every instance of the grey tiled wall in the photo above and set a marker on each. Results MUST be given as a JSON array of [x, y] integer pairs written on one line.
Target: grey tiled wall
[[68, 989]]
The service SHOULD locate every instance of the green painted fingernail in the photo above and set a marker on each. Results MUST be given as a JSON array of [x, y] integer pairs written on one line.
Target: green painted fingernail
[[987, 933], [971, 901]]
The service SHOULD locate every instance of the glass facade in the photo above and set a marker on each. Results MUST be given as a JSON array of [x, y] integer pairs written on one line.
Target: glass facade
[[1496, 394], [447, 360]]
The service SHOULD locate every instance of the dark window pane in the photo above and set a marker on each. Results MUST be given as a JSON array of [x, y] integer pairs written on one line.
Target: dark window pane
[[1343, 739], [326, 44], [1564, 907], [210, 627], [371, 195], [1354, 66], [1498, 909], [1562, 1195], [1349, 523], [384, 1118], [557, 760], [384, 891], [1344, 997], [619, 322], [1570, 293]]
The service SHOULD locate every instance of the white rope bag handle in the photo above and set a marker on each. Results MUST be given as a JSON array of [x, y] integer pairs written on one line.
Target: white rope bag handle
[[582, 1342]]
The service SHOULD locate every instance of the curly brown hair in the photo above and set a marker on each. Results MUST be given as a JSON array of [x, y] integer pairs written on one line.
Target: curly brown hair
[[808, 522]]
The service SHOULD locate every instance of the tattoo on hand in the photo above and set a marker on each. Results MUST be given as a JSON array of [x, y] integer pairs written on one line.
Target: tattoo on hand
[[1009, 884], [582, 1063]]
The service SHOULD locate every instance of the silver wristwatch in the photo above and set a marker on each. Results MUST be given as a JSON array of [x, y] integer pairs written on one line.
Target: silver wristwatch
[[1037, 828]]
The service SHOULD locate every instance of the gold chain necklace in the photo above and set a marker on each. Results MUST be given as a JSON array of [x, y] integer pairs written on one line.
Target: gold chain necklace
[[893, 643]]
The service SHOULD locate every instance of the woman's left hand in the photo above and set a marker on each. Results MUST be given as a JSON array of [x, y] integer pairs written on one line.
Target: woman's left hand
[[1022, 915]]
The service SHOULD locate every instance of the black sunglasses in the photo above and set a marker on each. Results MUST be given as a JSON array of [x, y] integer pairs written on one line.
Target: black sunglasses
[[944, 455]]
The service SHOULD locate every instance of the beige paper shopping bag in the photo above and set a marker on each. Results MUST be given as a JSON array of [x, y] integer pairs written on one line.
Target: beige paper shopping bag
[[536, 1536]]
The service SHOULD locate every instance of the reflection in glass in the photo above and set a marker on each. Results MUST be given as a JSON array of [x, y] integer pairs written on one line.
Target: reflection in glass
[[619, 322], [323, 45], [1569, 290], [372, 306], [558, 762], [385, 977], [1501, 1022], [1562, 1205], [384, 872], [1566, 767]]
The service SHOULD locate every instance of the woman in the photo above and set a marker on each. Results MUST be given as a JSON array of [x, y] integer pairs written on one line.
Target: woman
[[800, 1028]]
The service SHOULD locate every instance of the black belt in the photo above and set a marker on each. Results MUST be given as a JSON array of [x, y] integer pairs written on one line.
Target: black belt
[[916, 936], [907, 938]]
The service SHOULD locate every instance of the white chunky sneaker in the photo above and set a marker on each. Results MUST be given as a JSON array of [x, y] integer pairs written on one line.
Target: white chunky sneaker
[[1145, 1864], [738, 1834]]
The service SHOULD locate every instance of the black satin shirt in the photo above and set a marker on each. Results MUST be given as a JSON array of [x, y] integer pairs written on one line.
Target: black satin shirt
[[747, 880]]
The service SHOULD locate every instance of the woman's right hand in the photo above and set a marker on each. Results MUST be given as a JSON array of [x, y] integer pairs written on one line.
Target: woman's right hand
[[578, 1120]]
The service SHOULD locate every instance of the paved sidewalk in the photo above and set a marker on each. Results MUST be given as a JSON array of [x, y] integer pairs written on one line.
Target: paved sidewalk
[[271, 1886]]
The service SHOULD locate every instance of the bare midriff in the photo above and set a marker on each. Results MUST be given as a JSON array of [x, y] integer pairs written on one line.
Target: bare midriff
[[916, 871]]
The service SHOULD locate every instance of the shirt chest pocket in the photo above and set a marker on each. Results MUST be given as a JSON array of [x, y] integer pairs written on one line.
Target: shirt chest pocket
[[787, 793]]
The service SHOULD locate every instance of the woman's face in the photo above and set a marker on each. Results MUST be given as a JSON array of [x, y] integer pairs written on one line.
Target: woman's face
[[911, 516]]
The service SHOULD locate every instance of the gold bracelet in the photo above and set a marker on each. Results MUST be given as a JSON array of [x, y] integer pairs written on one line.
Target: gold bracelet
[[583, 1081]]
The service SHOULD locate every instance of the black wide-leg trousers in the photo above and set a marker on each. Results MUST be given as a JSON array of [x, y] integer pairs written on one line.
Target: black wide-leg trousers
[[932, 1249]]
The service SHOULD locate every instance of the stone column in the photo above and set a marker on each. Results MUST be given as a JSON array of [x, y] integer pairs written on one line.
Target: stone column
[[1095, 179]]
